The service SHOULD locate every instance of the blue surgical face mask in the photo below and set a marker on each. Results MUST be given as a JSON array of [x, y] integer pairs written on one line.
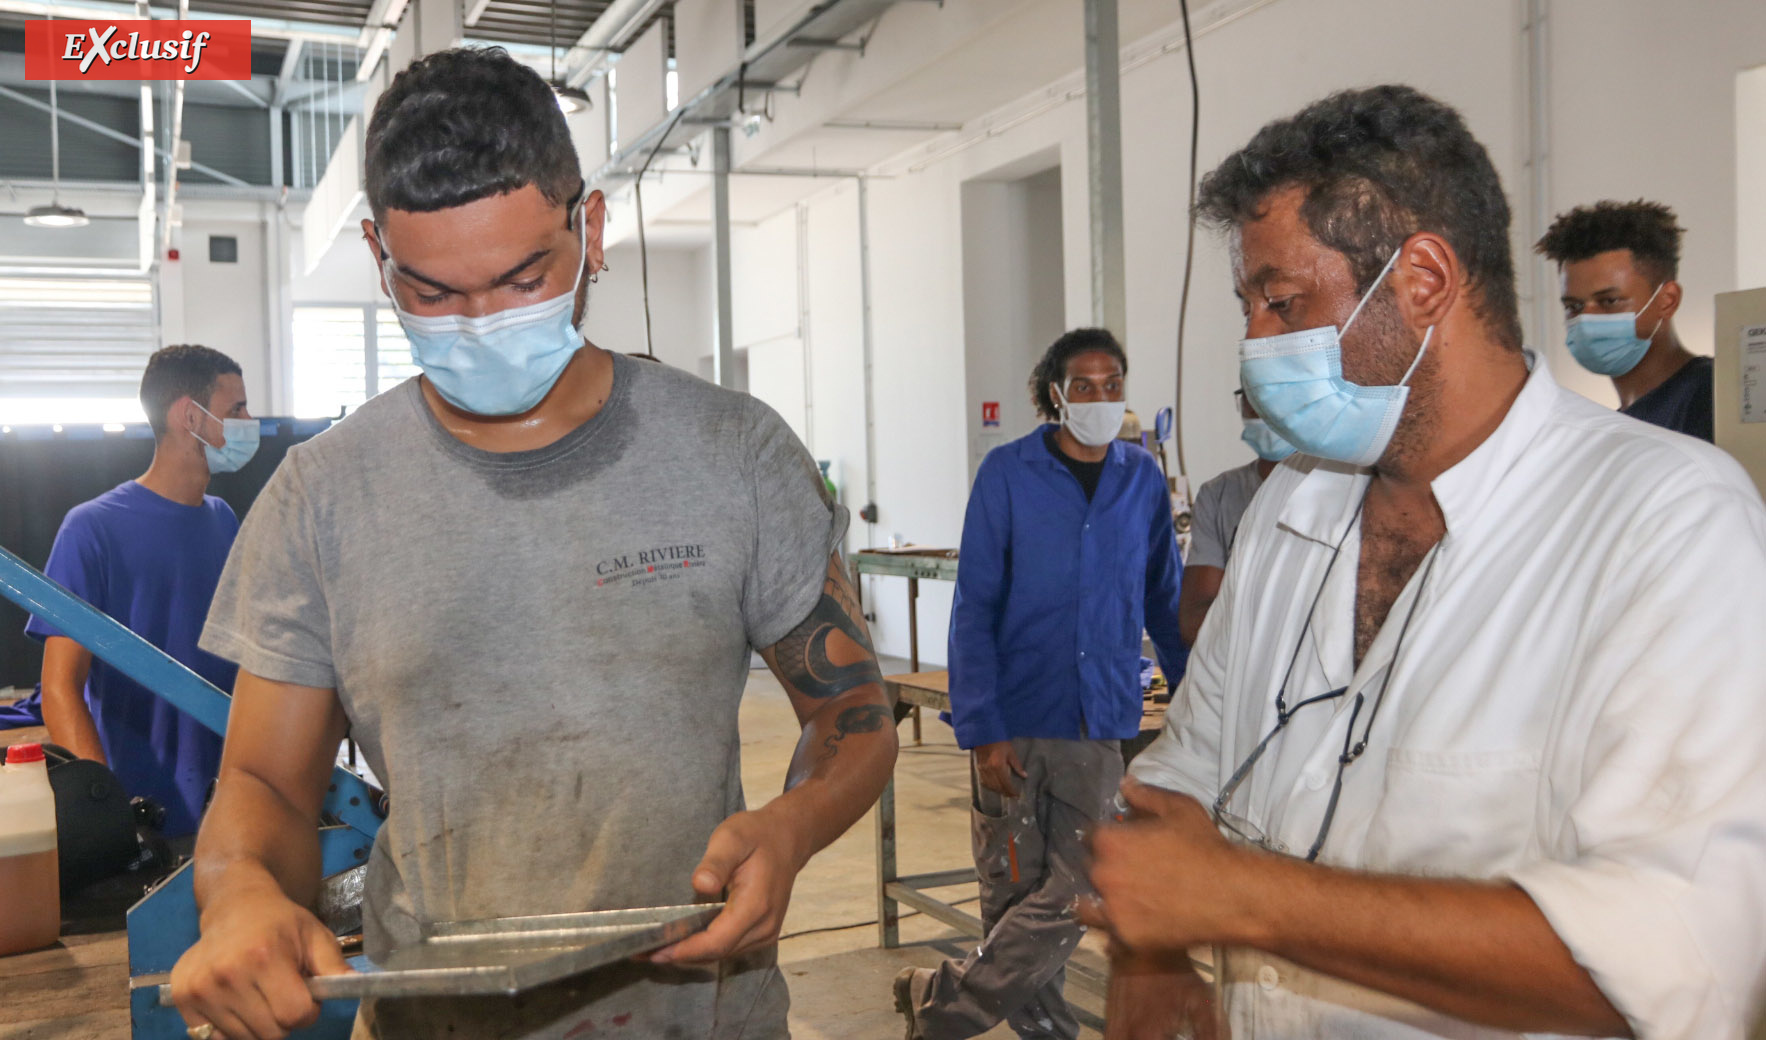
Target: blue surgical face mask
[[496, 364], [1296, 383], [239, 442], [1608, 344], [1267, 443]]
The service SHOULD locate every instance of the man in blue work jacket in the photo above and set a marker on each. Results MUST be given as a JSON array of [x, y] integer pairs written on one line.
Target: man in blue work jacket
[[1068, 553]]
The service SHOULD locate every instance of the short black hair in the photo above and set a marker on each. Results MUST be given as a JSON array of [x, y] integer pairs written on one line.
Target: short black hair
[[465, 124], [1053, 366], [1646, 228], [1379, 165], [181, 370]]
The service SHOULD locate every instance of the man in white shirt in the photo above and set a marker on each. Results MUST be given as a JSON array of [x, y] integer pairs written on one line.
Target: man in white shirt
[[1485, 679]]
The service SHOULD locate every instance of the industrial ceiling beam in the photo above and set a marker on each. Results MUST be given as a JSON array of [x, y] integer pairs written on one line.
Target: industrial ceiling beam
[[596, 49], [144, 212], [244, 91], [724, 361], [913, 125], [116, 135], [377, 32], [290, 67], [1103, 136]]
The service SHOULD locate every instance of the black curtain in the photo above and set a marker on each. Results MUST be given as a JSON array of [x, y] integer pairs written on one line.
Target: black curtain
[[44, 474]]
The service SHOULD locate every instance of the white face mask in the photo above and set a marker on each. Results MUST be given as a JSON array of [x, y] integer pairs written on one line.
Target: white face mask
[[1092, 423]]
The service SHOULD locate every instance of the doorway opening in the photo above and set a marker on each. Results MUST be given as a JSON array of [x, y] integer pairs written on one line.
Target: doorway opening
[[1014, 293]]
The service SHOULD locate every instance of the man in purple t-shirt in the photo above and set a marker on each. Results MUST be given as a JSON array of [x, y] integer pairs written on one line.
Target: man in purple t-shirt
[[149, 553]]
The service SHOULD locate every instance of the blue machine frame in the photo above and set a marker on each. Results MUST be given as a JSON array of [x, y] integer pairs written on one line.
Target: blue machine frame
[[164, 923]]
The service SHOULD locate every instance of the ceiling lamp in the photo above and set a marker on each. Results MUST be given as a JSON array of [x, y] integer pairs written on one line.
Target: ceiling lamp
[[55, 215], [571, 99]]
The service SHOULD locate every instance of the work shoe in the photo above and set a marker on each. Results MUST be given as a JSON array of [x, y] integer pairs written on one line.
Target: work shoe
[[904, 999]]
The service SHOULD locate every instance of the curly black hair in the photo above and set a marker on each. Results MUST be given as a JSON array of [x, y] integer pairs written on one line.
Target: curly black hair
[[1053, 366], [1646, 228], [465, 124], [179, 371], [1379, 165]]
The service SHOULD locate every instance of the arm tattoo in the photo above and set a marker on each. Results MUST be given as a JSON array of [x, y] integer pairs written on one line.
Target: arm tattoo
[[802, 655], [865, 718]]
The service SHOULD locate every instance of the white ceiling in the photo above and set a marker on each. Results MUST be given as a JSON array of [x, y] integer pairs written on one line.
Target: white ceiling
[[1034, 44]]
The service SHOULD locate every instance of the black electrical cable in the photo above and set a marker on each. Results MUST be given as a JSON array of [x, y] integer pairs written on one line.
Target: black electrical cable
[[1189, 259], [643, 240]]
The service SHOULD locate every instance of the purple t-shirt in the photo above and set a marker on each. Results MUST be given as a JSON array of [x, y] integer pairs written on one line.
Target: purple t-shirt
[[151, 564]]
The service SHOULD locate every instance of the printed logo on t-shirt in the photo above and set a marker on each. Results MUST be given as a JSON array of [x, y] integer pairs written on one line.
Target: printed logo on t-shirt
[[651, 565]]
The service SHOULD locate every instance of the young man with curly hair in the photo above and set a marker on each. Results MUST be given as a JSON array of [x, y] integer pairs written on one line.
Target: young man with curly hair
[[1619, 262], [1068, 554]]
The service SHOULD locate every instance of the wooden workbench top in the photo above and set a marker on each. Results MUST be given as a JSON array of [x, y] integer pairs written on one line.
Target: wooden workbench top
[[932, 690], [77, 988]]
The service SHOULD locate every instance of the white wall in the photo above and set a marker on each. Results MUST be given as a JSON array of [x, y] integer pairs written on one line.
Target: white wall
[[1750, 178], [1013, 298], [765, 274], [680, 305], [1643, 104], [836, 337], [229, 307], [345, 274]]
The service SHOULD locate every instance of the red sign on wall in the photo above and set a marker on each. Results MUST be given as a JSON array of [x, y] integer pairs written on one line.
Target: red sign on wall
[[137, 49], [990, 413]]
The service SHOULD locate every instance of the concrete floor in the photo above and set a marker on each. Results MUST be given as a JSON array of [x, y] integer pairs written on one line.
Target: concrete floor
[[839, 978]]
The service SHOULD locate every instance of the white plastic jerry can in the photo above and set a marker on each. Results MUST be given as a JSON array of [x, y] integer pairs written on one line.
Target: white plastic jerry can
[[30, 907]]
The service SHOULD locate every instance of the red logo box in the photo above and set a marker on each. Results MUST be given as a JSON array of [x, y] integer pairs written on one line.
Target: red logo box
[[70, 49]]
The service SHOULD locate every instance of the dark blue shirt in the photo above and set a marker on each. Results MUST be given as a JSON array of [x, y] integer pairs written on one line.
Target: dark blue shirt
[[151, 564], [1053, 593], [1682, 403]]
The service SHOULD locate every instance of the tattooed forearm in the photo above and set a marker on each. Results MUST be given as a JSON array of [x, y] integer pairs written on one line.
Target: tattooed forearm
[[806, 657], [865, 718]]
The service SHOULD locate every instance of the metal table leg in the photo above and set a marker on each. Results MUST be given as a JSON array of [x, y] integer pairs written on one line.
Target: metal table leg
[[888, 910], [914, 643]]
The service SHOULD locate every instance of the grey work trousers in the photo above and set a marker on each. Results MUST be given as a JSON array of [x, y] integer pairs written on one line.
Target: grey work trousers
[[1031, 859]]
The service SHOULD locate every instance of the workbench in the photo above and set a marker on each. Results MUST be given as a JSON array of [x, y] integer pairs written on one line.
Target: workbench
[[912, 563], [78, 987], [932, 690]]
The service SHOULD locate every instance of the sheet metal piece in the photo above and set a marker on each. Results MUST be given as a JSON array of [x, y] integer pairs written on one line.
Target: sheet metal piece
[[506, 956], [340, 900]]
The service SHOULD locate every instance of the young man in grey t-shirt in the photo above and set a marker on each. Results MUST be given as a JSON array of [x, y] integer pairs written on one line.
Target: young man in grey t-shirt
[[527, 584], [1220, 503]]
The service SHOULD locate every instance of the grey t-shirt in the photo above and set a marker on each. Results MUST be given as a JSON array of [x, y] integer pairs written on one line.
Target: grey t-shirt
[[541, 654], [1219, 506]]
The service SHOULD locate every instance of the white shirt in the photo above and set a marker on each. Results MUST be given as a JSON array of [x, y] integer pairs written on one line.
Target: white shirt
[[1579, 706]]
